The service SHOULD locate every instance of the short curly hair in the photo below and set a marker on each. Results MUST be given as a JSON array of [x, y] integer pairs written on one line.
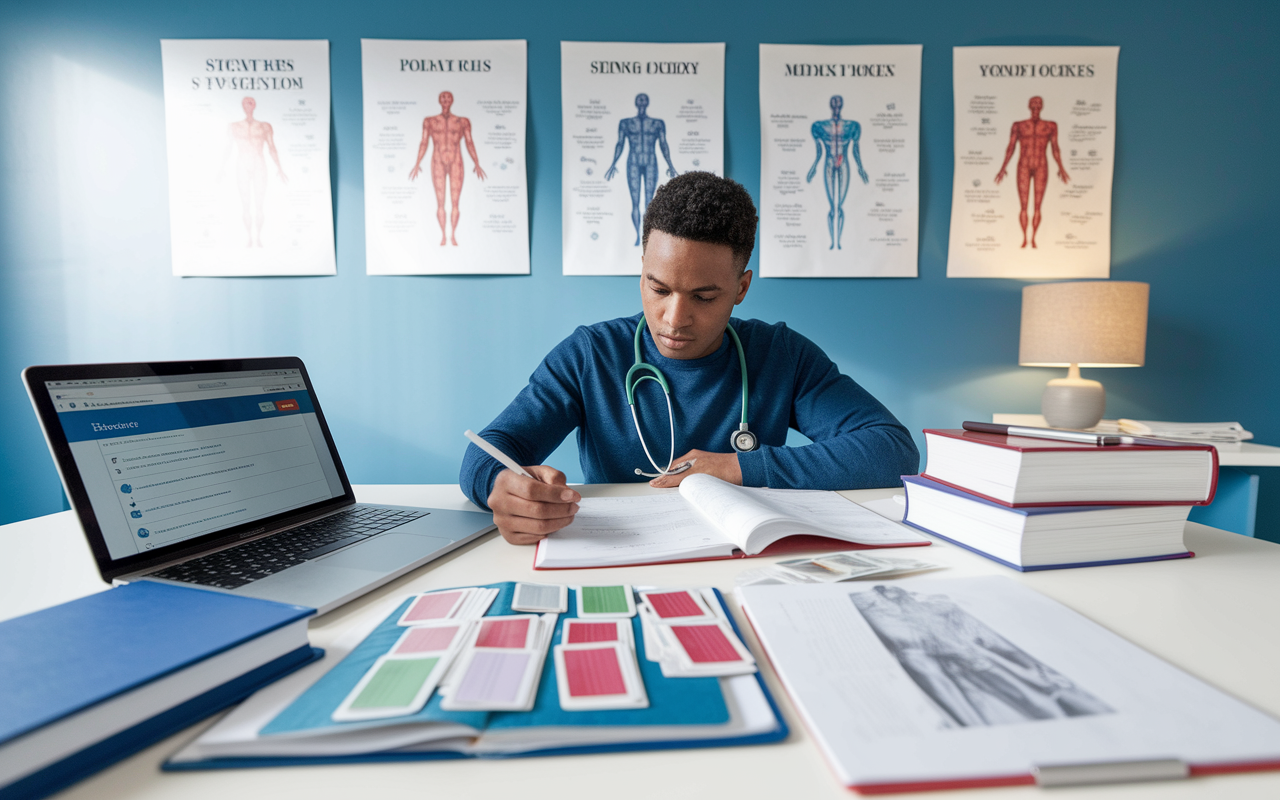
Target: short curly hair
[[703, 207]]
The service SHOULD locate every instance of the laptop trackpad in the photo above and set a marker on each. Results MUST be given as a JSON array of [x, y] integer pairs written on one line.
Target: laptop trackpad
[[386, 553]]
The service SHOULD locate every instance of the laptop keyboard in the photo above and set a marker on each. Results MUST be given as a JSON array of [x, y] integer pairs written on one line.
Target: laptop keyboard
[[246, 563]]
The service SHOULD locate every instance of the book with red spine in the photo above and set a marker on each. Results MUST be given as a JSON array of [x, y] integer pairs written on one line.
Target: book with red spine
[[1022, 472]]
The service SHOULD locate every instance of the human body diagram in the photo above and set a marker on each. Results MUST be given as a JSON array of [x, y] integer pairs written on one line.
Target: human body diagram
[[833, 138], [448, 132], [247, 137], [1034, 135], [643, 133], [974, 675]]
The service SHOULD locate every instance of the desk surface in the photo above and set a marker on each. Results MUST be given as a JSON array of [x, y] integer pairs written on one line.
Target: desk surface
[[1215, 616]]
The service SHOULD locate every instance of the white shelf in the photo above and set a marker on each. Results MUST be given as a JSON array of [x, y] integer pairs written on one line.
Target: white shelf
[[1242, 454]]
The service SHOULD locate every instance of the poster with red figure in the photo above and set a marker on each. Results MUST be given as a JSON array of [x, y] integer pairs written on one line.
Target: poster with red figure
[[247, 135], [1034, 156], [445, 189]]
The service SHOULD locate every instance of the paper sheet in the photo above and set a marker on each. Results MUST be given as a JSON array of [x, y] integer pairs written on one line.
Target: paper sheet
[[633, 115], [926, 679], [1035, 149], [839, 160], [247, 135], [445, 190]]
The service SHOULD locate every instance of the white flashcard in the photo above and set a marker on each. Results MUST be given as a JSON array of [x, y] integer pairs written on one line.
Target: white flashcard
[[540, 597], [494, 680], [605, 602], [598, 676]]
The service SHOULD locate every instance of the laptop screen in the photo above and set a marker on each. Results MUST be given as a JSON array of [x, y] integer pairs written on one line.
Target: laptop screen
[[168, 458]]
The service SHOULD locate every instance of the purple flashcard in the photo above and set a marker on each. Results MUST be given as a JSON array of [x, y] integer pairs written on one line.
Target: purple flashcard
[[493, 677]]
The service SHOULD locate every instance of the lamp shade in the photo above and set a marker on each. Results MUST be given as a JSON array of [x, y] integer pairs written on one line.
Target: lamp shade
[[1089, 323]]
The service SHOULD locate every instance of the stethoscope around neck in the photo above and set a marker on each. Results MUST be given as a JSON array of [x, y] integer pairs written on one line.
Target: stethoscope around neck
[[742, 440]]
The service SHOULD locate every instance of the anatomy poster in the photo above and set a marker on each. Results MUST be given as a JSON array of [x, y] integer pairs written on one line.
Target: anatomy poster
[[634, 115], [839, 160], [247, 131], [1035, 148], [444, 157]]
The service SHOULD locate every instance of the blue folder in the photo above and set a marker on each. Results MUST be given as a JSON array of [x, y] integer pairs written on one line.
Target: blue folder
[[672, 701], [64, 660]]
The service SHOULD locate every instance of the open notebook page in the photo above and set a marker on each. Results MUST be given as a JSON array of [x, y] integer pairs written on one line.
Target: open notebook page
[[756, 518], [628, 530]]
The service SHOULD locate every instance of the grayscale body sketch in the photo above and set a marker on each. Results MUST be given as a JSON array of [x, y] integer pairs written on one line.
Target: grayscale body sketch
[[833, 138], [973, 674], [642, 132]]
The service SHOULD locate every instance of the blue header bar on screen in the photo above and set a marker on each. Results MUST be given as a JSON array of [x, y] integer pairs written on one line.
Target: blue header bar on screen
[[113, 423]]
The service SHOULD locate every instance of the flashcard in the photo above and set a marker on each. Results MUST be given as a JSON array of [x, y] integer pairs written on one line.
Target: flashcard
[[393, 687], [578, 631], [678, 605], [510, 633], [539, 597], [653, 644], [709, 648], [603, 602], [477, 604], [434, 606], [495, 680], [421, 639], [598, 676]]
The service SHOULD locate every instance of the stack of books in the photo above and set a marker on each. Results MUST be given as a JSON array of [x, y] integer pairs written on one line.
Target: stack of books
[[1034, 503]]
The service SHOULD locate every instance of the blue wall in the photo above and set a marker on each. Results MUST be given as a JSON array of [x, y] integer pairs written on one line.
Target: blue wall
[[405, 364]]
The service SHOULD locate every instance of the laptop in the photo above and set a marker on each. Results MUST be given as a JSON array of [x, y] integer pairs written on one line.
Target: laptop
[[223, 475]]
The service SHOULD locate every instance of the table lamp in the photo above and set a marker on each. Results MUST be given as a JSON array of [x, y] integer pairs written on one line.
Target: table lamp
[[1081, 324]]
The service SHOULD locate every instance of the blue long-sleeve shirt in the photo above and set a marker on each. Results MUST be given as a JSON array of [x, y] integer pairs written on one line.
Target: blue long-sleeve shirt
[[857, 443]]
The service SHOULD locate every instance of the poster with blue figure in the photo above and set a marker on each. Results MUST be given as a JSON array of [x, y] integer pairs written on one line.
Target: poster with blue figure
[[634, 115], [840, 153]]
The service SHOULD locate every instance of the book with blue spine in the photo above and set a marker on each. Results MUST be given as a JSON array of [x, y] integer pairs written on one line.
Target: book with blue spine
[[89, 682]]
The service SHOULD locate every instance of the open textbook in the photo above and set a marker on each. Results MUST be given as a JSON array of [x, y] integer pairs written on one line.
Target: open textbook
[[708, 518], [932, 683]]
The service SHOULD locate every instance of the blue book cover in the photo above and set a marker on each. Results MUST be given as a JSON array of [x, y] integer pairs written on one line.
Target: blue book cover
[[65, 659], [921, 480]]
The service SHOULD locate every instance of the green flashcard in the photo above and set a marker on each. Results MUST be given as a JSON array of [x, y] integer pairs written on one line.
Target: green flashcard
[[605, 600], [396, 683]]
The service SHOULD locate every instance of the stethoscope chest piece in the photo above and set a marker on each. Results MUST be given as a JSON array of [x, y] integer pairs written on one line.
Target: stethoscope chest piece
[[743, 440]]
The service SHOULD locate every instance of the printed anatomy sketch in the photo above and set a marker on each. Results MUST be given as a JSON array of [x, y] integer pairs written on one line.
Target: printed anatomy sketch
[[642, 132], [247, 137], [1033, 135], [973, 674], [833, 137], [448, 132]]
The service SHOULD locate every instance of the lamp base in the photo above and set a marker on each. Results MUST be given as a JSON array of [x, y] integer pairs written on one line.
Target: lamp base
[[1073, 402]]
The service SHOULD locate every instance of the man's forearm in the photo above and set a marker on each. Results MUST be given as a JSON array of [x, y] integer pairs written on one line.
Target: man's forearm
[[868, 458]]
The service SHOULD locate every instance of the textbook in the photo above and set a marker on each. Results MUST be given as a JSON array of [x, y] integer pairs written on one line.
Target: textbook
[[1019, 471], [707, 518], [90, 682], [1047, 537], [306, 719], [947, 683]]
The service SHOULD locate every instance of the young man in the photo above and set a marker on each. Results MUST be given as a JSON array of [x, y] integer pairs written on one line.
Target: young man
[[699, 232]]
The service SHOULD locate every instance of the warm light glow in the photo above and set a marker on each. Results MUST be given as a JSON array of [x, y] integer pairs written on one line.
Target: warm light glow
[[1086, 323]]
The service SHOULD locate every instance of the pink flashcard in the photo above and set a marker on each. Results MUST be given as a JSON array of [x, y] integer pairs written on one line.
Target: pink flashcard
[[674, 604], [594, 672], [439, 605], [508, 633], [706, 644], [426, 640], [583, 632]]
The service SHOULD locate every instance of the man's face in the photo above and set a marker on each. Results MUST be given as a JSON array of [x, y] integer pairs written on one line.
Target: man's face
[[688, 290]]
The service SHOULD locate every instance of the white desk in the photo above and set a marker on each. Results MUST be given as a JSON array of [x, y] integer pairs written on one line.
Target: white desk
[[1216, 616]]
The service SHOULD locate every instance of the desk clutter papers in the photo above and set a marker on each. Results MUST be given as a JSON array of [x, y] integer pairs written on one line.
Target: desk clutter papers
[[833, 568], [595, 687], [936, 683], [1226, 432], [708, 518]]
